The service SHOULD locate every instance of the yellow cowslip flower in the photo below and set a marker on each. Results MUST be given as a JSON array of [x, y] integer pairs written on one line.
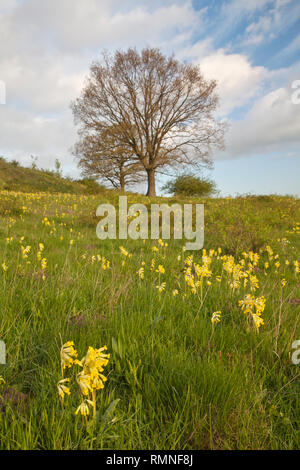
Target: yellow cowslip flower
[[105, 263], [270, 252], [202, 271], [152, 265], [253, 283], [41, 249], [63, 389], [260, 303], [141, 273], [83, 408], [95, 360], [254, 258], [123, 251], [160, 269], [258, 321], [83, 381], [97, 381], [4, 266], [161, 287], [247, 303], [25, 251], [189, 278], [46, 222], [175, 292], [297, 267], [44, 264], [283, 282], [154, 249], [189, 260], [216, 317], [68, 354]]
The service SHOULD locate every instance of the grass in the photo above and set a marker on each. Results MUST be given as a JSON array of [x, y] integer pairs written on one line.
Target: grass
[[14, 177], [175, 380]]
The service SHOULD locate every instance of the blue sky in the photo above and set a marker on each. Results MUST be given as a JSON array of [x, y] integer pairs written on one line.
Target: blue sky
[[252, 48]]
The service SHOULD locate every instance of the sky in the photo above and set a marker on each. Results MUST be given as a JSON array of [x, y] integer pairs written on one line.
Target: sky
[[251, 47]]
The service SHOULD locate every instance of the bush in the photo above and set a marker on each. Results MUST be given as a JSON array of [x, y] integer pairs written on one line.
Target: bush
[[189, 185]]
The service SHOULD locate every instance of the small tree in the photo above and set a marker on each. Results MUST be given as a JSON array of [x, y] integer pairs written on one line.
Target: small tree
[[57, 166], [189, 185], [34, 162], [162, 109], [102, 157]]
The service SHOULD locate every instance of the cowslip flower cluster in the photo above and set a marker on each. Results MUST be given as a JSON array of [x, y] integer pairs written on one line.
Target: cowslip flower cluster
[[216, 317], [63, 389], [253, 307], [89, 379], [68, 355], [195, 273], [4, 266]]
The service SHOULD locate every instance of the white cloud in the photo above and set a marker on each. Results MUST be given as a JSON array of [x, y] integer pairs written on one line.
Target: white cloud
[[238, 80], [45, 52], [282, 14], [271, 125], [23, 133], [7, 5]]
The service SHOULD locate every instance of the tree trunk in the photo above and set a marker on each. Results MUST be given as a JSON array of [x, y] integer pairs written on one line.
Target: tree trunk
[[151, 182], [122, 184]]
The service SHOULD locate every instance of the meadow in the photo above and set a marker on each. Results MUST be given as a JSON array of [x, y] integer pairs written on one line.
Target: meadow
[[199, 343]]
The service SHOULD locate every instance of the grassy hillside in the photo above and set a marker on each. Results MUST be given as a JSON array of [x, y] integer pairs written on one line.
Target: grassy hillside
[[177, 378], [17, 178]]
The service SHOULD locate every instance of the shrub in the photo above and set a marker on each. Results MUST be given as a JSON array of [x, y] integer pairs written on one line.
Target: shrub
[[189, 185]]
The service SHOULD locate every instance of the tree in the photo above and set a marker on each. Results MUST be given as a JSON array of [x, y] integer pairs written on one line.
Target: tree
[[190, 185], [58, 167], [102, 157], [163, 109]]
